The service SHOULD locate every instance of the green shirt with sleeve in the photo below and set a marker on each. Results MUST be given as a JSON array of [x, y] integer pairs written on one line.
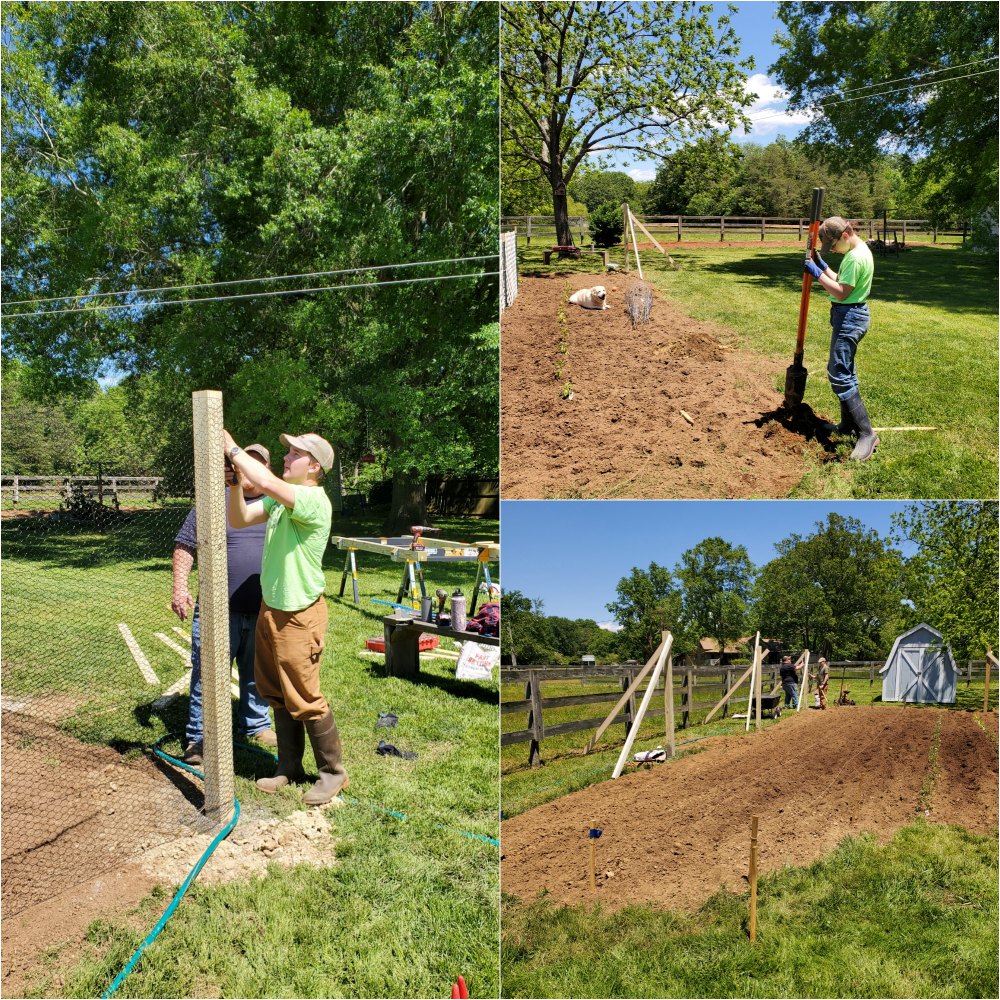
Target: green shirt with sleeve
[[857, 269], [291, 572]]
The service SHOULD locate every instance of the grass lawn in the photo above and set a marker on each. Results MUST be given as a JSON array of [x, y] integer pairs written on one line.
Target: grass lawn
[[914, 918], [929, 359], [410, 904]]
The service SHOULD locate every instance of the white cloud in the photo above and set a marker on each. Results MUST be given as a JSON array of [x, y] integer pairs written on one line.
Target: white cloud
[[768, 112], [642, 173], [609, 626]]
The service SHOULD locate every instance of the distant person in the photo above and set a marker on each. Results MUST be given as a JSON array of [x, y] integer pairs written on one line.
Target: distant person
[[789, 681], [243, 554], [849, 317], [822, 681], [291, 627]]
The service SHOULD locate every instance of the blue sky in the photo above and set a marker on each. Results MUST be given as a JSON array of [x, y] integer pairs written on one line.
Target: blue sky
[[755, 23], [572, 553]]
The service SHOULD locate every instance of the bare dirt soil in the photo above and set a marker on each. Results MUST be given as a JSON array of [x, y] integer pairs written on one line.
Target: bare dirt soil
[[623, 434], [677, 833], [87, 834]]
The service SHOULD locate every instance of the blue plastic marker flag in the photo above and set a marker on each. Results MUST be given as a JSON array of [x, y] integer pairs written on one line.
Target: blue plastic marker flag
[[594, 833]]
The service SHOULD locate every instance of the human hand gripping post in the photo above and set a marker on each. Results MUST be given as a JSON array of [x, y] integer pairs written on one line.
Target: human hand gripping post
[[796, 373]]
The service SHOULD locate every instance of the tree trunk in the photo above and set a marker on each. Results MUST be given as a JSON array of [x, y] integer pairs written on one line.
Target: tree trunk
[[409, 503], [560, 207]]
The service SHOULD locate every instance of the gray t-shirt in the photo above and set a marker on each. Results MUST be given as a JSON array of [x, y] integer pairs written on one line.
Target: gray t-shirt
[[244, 548]]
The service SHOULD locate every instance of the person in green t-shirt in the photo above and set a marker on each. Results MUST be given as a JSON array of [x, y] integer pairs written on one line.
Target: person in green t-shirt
[[850, 319], [293, 617]]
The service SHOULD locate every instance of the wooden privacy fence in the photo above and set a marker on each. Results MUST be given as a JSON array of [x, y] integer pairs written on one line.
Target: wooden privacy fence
[[689, 682], [737, 227], [26, 488]]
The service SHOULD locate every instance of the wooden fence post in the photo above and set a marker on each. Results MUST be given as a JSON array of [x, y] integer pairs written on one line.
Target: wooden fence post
[[688, 695], [15, 490], [630, 703], [213, 604], [728, 684], [722, 228], [762, 230], [668, 707], [800, 229], [529, 232], [680, 228], [535, 723]]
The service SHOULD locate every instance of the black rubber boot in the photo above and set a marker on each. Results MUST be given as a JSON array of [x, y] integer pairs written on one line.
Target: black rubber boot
[[327, 750], [291, 737], [867, 439], [846, 425]]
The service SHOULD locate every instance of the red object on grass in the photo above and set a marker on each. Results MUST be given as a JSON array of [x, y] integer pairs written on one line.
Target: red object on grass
[[462, 991], [425, 642], [454, 992]]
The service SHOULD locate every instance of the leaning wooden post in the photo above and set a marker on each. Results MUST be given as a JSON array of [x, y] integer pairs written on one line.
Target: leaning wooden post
[[753, 879], [644, 704], [804, 688], [213, 605], [757, 685], [753, 681]]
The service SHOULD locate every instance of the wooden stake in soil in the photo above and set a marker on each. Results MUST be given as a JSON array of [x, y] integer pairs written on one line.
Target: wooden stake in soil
[[644, 704], [753, 879], [213, 602], [592, 840]]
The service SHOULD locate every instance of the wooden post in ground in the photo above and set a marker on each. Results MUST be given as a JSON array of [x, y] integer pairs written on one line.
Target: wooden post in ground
[[753, 879], [593, 860], [990, 658], [668, 707], [757, 685], [680, 228], [804, 687], [213, 604], [753, 681]]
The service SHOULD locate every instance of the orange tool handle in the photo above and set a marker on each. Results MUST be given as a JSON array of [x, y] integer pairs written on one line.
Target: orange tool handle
[[814, 217]]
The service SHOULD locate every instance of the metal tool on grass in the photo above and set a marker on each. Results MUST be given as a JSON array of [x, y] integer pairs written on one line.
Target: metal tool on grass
[[638, 295], [795, 374]]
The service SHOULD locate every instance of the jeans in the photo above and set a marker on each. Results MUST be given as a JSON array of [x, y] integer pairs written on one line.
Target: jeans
[[791, 690], [850, 324], [252, 714]]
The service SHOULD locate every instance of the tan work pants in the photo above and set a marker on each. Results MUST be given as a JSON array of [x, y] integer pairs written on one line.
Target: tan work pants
[[288, 648], [822, 695]]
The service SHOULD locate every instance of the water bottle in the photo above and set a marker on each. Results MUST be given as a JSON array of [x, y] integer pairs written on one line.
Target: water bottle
[[458, 611]]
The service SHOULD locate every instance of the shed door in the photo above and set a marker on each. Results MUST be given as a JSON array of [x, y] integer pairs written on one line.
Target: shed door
[[921, 677]]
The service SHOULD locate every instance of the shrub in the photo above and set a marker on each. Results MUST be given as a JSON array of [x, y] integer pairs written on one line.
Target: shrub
[[606, 224]]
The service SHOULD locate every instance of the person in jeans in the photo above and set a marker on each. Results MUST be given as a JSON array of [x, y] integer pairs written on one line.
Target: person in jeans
[[849, 318], [243, 552], [292, 622], [789, 682]]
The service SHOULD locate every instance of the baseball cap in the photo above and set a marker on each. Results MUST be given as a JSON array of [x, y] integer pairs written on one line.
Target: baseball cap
[[259, 449], [831, 231], [318, 447]]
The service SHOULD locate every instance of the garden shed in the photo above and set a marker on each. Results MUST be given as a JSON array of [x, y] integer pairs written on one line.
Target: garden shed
[[920, 668]]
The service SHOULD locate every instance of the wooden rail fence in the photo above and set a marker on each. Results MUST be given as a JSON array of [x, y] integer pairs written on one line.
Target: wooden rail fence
[[689, 681], [24, 488], [674, 226]]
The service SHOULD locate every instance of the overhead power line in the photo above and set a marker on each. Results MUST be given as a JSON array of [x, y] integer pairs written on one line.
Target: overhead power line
[[248, 281], [869, 97], [920, 76], [248, 295]]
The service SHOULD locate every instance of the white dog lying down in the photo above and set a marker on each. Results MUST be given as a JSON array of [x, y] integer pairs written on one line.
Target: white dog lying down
[[590, 298]]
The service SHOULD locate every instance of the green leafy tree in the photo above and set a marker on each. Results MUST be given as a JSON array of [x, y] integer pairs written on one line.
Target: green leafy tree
[[149, 145], [717, 579], [595, 187], [838, 591], [606, 223], [580, 79], [952, 579], [919, 76], [698, 179], [649, 602]]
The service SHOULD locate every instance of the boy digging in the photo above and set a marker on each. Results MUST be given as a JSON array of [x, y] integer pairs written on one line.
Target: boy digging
[[850, 319]]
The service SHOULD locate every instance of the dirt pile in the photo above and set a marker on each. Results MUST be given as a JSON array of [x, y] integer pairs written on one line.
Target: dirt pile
[[623, 434], [675, 834]]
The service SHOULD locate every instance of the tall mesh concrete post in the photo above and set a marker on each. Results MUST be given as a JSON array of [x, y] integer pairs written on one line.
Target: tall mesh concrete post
[[213, 602]]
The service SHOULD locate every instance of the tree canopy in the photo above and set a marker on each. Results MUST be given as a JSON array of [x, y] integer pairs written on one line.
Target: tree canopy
[[919, 77], [149, 145], [580, 79]]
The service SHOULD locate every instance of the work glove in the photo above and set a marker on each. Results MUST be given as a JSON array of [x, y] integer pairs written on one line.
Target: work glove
[[812, 269], [820, 263]]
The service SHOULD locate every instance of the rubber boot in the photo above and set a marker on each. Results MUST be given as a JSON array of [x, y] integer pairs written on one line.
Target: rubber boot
[[846, 425], [327, 750], [291, 737], [867, 439]]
